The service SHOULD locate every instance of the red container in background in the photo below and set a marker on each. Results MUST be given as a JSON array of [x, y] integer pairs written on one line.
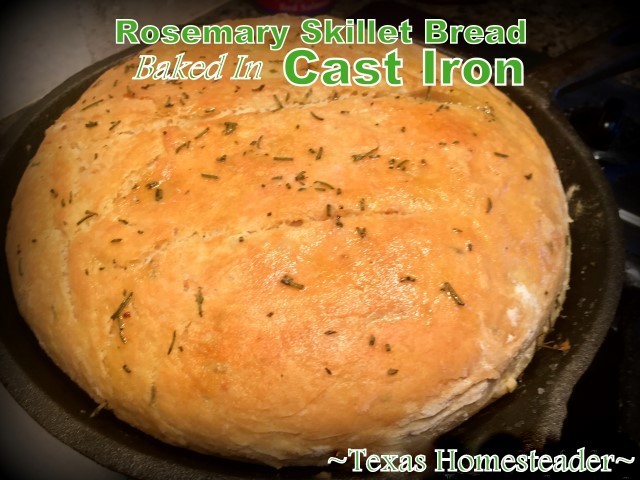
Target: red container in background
[[296, 7]]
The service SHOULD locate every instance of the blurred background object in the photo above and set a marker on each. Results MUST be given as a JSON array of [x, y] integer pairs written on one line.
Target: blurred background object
[[295, 7]]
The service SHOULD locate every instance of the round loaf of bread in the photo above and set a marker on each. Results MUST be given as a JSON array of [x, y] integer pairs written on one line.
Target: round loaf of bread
[[275, 273]]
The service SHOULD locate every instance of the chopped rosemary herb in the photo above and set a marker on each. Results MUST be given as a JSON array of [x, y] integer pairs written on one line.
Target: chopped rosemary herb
[[442, 107], [116, 240], [98, 409], [229, 127], [54, 193], [361, 231], [182, 146], [401, 165], [221, 158], [408, 278], [329, 209], [361, 204], [152, 185], [270, 314], [339, 223], [446, 287], [277, 177], [528, 176], [278, 103], [152, 395], [173, 340], [97, 102], [91, 124], [258, 89], [122, 306], [210, 110], [209, 175], [319, 154], [326, 369], [372, 340], [283, 159], [301, 176], [114, 124], [168, 103], [201, 133], [324, 184], [316, 116], [501, 155], [126, 368], [330, 332], [287, 280], [359, 156], [199, 301], [489, 204], [159, 194], [257, 142], [387, 347], [88, 214], [120, 316], [392, 371]]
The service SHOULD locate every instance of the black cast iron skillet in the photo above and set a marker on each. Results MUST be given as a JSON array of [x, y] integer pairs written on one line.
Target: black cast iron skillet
[[532, 415]]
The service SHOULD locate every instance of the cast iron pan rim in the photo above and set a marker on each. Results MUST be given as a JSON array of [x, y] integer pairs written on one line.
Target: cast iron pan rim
[[70, 429]]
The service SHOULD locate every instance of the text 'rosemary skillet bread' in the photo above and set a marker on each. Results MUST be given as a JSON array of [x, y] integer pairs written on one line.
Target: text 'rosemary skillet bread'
[[275, 273]]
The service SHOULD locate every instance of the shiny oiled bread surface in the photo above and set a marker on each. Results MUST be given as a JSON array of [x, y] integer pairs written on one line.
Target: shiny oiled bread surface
[[276, 273]]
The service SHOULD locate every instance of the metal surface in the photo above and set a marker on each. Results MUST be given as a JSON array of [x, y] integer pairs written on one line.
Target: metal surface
[[530, 416]]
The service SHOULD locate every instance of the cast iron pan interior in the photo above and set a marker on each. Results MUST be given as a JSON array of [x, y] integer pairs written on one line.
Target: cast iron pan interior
[[532, 415]]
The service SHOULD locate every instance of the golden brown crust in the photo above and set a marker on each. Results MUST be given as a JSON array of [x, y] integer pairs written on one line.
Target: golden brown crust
[[189, 219]]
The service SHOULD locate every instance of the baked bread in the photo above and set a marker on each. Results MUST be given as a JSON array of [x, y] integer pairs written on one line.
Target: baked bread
[[274, 273]]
